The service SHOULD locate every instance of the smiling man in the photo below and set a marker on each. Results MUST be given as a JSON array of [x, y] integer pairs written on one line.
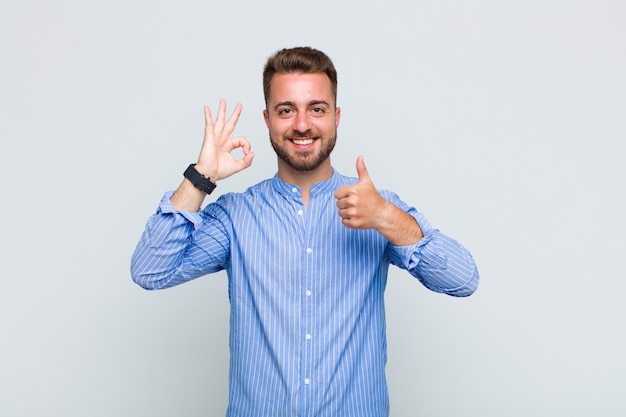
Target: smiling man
[[307, 253]]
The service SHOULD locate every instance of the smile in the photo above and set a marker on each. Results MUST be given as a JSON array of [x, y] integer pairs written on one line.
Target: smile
[[302, 142]]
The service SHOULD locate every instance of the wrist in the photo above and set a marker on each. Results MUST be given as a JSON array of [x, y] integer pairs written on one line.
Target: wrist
[[201, 181], [206, 171]]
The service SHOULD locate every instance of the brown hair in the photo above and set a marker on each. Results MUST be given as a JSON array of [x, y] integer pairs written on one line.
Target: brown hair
[[300, 59]]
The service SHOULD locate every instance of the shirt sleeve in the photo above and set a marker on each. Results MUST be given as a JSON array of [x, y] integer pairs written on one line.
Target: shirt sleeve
[[168, 252], [439, 262]]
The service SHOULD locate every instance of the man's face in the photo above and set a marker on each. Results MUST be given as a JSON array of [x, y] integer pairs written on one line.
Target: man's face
[[302, 119]]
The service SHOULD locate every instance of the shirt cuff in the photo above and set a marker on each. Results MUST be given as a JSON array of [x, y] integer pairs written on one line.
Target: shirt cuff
[[407, 257], [166, 207]]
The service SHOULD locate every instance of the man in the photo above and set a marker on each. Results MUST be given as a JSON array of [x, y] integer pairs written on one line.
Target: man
[[307, 253]]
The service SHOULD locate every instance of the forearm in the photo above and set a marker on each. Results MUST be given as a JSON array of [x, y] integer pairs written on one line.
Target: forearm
[[398, 227], [157, 260], [187, 197]]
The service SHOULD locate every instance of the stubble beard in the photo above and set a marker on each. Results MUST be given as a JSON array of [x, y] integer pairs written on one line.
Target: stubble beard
[[305, 160]]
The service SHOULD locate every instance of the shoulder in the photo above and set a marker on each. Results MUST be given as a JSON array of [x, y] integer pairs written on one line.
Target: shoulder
[[230, 200]]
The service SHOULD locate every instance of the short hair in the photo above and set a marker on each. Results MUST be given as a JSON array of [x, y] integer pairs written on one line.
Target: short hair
[[299, 59]]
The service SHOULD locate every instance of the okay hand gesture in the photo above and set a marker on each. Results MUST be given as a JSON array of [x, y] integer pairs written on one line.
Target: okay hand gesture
[[216, 160]]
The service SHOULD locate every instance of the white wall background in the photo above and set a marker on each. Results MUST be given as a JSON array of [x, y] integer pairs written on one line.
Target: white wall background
[[504, 122]]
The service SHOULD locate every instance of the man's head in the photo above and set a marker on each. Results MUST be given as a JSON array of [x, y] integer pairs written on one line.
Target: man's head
[[300, 110], [295, 60]]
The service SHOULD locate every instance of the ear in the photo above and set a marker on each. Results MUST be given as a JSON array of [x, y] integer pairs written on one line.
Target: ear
[[266, 117], [337, 116]]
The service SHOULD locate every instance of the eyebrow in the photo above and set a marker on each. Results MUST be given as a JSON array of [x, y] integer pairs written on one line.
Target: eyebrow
[[316, 102], [292, 104]]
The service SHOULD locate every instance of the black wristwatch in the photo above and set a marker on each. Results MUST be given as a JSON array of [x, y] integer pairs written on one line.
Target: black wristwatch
[[198, 180]]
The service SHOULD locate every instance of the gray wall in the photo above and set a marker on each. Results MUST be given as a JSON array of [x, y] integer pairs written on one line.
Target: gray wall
[[504, 122]]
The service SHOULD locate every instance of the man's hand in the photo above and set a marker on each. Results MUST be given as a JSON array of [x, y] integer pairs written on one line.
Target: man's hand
[[216, 160], [361, 207]]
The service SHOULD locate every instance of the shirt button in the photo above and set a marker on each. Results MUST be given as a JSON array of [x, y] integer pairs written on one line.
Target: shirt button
[[294, 190], [309, 250], [308, 337], [300, 212], [308, 293], [307, 381]]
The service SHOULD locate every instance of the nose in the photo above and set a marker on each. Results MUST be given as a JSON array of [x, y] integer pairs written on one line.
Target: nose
[[301, 122]]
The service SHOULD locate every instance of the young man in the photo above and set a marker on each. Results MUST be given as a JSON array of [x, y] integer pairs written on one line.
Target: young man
[[307, 253]]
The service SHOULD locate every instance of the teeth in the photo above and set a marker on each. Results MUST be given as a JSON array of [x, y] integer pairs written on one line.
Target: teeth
[[302, 141]]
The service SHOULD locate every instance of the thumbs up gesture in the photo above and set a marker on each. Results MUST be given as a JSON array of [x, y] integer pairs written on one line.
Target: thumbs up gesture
[[360, 205]]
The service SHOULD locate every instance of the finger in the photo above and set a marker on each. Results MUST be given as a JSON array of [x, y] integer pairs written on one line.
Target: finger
[[208, 118], [347, 215], [241, 142], [361, 170], [244, 162], [221, 114], [248, 155], [342, 204], [341, 193], [232, 120], [247, 159]]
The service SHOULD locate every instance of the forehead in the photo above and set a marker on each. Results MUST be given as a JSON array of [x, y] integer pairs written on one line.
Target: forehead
[[296, 87]]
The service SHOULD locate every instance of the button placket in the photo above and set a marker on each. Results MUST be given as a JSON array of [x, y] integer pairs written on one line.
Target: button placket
[[308, 275], [308, 348]]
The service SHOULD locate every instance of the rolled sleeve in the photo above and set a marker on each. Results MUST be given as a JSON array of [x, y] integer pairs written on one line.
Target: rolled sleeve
[[439, 262], [166, 207], [159, 254]]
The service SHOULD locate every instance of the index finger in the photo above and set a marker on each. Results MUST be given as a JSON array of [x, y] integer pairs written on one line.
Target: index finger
[[341, 192]]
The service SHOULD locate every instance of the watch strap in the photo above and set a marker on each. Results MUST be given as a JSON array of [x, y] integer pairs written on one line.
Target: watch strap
[[198, 180]]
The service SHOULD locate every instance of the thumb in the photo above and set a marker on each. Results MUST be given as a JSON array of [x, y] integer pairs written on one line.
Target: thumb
[[362, 170]]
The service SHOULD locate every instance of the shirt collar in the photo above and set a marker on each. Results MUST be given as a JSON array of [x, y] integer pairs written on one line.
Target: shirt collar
[[291, 190]]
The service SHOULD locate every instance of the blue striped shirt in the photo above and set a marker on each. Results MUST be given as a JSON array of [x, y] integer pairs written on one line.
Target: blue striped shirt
[[307, 319]]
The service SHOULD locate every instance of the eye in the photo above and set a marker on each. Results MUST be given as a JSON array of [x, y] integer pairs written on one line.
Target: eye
[[285, 111], [318, 110]]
